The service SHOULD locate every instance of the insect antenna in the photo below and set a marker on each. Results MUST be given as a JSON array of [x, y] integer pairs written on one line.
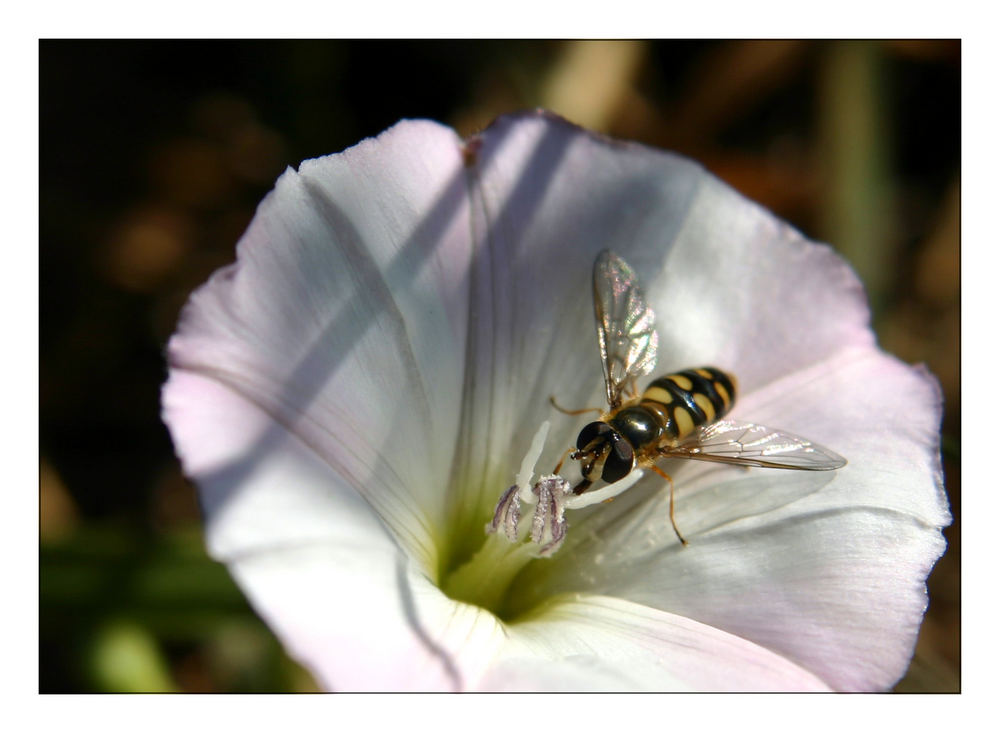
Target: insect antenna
[[552, 400]]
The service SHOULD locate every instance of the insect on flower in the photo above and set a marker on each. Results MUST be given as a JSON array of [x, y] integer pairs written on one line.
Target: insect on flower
[[679, 415]]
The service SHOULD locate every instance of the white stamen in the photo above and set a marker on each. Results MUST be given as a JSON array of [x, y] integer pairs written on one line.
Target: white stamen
[[548, 525], [605, 493], [552, 496], [523, 479], [508, 511]]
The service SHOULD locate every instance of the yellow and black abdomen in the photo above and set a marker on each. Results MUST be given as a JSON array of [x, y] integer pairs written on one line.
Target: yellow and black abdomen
[[685, 400]]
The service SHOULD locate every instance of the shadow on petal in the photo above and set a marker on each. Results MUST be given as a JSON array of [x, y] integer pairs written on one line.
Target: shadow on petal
[[487, 412], [336, 341], [410, 612]]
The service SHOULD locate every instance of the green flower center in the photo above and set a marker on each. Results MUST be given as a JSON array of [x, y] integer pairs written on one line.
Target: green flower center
[[486, 579]]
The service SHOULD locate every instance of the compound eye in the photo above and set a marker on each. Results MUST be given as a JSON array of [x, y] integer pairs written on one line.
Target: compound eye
[[620, 460], [591, 432]]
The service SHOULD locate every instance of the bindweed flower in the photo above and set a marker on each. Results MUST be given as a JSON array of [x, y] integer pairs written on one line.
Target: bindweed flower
[[354, 395]]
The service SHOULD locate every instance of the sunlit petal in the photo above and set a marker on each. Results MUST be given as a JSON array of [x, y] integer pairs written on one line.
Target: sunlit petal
[[344, 319], [313, 557], [602, 643], [818, 566]]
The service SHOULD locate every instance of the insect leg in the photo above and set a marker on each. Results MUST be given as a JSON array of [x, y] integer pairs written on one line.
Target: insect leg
[[559, 465], [674, 523], [563, 410]]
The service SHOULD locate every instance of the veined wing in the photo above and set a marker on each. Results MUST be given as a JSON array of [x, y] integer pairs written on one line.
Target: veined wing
[[749, 444], [626, 329]]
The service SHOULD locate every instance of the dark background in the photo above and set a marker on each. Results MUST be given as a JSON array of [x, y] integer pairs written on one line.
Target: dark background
[[154, 154]]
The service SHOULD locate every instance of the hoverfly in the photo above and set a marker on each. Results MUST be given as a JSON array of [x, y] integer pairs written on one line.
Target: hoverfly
[[679, 415]]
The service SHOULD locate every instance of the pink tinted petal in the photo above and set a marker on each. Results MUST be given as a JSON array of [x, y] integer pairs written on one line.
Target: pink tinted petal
[[741, 289], [260, 485], [314, 559], [362, 620], [826, 568], [344, 318], [882, 415], [840, 593], [601, 643], [577, 672]]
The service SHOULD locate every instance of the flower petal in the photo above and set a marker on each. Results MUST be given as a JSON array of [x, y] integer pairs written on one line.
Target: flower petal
[[344, 319], [601, 644], [363, 620], [735, 287], [313, 557], [829, 574]]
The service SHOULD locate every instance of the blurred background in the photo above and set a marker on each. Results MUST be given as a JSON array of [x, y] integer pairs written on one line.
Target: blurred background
[[154, 155]]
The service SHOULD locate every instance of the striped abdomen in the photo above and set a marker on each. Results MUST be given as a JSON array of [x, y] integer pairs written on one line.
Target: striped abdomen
[[684, 400]]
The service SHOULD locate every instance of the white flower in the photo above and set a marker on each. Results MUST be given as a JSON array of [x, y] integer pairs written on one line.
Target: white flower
[[355, 393]]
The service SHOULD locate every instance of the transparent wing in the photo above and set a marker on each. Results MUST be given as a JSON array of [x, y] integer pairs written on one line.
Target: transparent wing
[[626, 330], [749, 444]]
